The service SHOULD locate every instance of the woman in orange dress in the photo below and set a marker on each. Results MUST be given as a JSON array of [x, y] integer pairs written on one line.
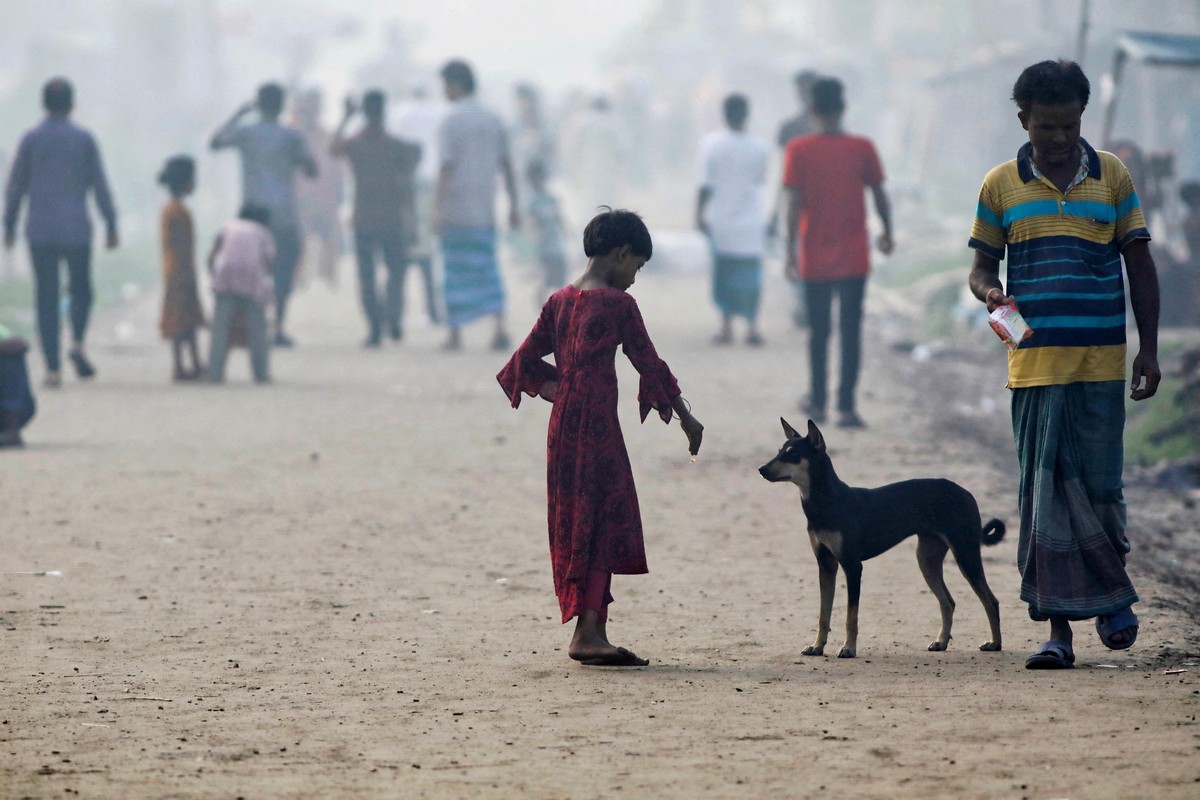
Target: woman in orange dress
[[181, 311]]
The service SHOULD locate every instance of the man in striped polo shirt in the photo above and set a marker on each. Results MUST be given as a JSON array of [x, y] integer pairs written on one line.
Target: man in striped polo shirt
[[1065, 215]]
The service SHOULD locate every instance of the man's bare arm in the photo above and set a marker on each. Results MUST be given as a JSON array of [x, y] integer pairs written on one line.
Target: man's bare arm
[[985, 281], [795, 204], [702, 197], [1144, 299], [510, 186], [883, 207]]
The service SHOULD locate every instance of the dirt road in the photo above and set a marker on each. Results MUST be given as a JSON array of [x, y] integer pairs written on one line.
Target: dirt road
[[338, 586]]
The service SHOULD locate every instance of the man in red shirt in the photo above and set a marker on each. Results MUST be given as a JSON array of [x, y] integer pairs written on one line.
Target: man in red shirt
[[825, 174]]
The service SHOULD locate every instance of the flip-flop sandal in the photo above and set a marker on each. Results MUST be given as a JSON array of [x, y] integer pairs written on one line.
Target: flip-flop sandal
[[1118, 622], [1054, 654], [623, 658]]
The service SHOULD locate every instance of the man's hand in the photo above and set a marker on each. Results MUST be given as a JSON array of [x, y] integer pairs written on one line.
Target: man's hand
[[885, 243], [549, 391], [791, 269], [1146, 376], [996, 298], [349, 108], [695, 432], [112, 240]]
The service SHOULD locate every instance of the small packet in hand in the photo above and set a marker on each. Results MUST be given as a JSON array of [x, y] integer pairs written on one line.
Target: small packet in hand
[[1009, 325]]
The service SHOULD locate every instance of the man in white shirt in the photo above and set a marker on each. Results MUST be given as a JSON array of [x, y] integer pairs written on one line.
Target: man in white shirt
[[473, 149], [732, 172]]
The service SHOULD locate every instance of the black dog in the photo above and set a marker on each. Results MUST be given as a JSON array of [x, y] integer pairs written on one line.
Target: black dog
[[848, 525]]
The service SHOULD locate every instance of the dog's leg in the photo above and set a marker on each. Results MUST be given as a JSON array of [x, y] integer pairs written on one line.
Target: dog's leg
[[970, 564], [853, 584], [827, 568], [931, 555]]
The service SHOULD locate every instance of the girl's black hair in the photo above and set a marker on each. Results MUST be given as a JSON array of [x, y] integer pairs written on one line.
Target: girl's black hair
[[1051, 83], [613, 228], [255, 213], [178, 173]]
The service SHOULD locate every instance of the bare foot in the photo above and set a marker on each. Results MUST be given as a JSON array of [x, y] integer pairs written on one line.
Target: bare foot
[[590, 645]]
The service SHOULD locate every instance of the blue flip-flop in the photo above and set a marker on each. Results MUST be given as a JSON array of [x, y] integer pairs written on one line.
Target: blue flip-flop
[[1054, 654], [1119, 621]]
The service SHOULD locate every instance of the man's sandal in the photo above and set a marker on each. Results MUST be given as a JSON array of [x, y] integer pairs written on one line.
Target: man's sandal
[[1054, 654]]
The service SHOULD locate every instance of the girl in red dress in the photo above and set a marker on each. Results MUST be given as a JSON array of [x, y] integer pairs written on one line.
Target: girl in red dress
[[595, 524]]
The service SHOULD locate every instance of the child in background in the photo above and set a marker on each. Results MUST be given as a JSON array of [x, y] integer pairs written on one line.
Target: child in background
[[181, 311], [595, 523], [548, 227], [240, 264]]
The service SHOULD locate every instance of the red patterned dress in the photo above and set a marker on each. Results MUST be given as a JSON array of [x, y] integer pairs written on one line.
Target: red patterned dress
[[595, 523]]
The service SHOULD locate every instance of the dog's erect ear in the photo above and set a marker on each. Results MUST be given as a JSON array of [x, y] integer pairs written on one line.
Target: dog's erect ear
[[815, 438], [788, 430]]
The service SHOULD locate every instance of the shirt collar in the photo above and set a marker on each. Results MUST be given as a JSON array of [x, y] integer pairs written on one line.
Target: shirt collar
[[1089, 163]]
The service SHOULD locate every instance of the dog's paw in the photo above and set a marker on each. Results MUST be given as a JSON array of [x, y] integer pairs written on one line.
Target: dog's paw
[[990, 647], [847, 652], [813, 650], [937, 647]]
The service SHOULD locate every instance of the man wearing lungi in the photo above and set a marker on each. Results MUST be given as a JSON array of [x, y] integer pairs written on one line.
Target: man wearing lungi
[[732, 171], [473, 148], [1065, 215]]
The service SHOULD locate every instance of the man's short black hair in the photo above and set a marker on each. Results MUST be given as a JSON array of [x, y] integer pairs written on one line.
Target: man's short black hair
[[536, 170], [1051, 83], [255, 213], [613, 228], [805, 78], [270, 98], [1189, 193], [58, 96], [736, 108], [828, 97], [460, 74], [373, 103]]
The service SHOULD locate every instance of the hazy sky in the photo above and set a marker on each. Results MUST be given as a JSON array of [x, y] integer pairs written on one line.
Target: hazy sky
[[571, 36]]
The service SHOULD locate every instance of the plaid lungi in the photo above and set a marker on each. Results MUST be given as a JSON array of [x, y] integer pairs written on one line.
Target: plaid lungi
[[472, 276], [1072, 545]]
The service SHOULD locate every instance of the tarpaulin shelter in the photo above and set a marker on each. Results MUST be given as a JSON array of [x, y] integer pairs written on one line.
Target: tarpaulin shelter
[[1153, 49]]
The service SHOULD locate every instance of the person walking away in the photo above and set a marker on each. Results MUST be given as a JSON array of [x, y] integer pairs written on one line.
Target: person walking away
[[271, 155], [827, 244], [732, 171], [1063, 215], [804, 123], [417, 120], [319, 200], [57, 165], [240, 262], [473, 148], [384, 210], [595, 523], [182, 315], [545, 216], [17, 405]]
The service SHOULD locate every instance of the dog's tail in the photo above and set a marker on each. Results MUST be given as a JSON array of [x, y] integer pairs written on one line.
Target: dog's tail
[[993, 532]]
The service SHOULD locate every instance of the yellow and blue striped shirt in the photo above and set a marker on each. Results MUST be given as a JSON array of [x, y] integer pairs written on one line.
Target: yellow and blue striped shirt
[[1063, 264]]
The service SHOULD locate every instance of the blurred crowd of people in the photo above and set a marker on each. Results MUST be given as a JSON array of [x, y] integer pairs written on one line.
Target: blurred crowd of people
[[421, 180]]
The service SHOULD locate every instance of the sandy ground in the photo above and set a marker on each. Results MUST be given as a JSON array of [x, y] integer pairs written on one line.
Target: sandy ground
[[338, 586]]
